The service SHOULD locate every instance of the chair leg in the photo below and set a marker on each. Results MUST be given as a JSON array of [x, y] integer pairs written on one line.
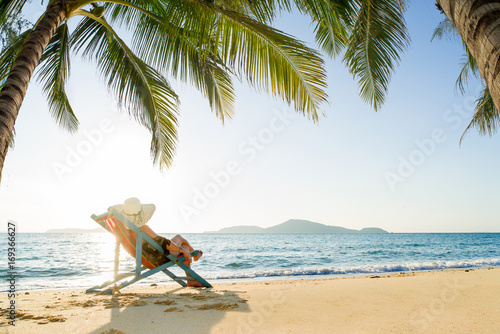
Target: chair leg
[[179, 261], [117, 259], [193, 274]]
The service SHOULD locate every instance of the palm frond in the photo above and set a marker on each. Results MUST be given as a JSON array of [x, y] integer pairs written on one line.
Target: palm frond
[[403, 4], [10, 53], [53, 72], [218, 88], [263, 11], [274, 61], [333, 22], [173, 50], [140, 89], [378, 37], [486, 119], [469, 68], [10, 9], [130, 13], [197, 31], [269, 59], [10, 29], [445, 29]]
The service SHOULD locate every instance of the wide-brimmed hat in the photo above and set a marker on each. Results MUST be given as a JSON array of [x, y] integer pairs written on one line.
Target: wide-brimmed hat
[[137, 213]]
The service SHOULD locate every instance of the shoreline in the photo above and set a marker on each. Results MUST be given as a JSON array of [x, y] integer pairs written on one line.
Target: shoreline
[[276, 278], [454, 301]]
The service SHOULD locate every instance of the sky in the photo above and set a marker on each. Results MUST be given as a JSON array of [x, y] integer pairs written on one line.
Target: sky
[[400, 169]]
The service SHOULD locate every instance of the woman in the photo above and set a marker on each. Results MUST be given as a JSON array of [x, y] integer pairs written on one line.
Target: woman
[[139, 214]]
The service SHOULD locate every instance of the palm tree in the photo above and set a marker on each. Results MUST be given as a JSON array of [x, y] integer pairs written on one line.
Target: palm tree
[[206, 43], [476, 22]]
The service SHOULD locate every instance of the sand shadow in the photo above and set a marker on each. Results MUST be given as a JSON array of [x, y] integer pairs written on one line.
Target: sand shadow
[[174, 311]]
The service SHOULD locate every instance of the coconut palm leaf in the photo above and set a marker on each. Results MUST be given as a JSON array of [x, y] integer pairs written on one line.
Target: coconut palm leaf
[[9, 54], [186, 46], [129, 12], [445, 29], [174, 51], [11, 28], [486, 119], [378, 37], [274, 61], [214, 81], [143, 91], [469, 69], [53, 72], [10, 9], [333, 22], [269, 59], [263, 11]]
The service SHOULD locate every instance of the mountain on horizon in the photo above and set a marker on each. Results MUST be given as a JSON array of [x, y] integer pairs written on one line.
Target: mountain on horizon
[[297, 226]]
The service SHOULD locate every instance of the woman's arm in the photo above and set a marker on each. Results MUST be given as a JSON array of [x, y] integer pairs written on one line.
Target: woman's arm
[[174, 247], [177, 250], [146, 229]]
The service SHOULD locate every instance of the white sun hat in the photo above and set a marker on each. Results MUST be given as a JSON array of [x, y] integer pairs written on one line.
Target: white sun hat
[[137, 213]]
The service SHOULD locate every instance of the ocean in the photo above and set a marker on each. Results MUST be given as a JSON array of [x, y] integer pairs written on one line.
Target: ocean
[[82, 260]]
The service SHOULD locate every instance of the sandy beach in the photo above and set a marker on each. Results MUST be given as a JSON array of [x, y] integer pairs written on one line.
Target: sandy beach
[[462, 301]]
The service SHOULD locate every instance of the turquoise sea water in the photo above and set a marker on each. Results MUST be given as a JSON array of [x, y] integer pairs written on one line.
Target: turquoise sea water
[[46, 261]]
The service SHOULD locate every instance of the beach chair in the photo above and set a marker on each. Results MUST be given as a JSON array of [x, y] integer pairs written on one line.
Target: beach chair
[[131, 238]]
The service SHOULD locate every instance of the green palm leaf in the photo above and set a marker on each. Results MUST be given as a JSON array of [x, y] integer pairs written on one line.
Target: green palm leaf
[[214, 81], [378, 37], [268, 58], [176, 51], [10, 29], [173, 50], [445, 29], [143, 91], [53, 72], [263, 11], [10, 9], [469, 69], [10, 53], [333, 22], [486, 119]]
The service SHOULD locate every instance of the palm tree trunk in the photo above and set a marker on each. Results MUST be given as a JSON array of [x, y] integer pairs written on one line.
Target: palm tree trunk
[[478, 23], [14, 89]]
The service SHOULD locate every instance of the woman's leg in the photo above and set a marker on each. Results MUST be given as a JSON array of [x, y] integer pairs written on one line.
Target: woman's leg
[[180, 241]]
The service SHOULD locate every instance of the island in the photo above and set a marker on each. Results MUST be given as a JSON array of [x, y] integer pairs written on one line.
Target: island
[[297, 226]]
